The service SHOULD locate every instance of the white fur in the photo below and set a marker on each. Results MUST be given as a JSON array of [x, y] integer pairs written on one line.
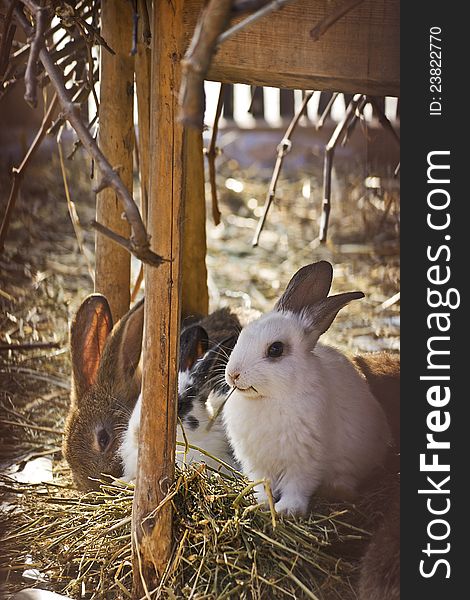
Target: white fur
[[214, 441], [312, 421]]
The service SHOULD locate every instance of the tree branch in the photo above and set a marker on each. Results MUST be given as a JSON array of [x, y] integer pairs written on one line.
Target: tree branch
[[37, 42], [139, 243], [212, 155], [197, 60]]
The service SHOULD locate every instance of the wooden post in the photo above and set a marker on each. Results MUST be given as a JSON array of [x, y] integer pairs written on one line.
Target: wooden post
[[116, 140], [195, 296], [152, 537], [142, 81]]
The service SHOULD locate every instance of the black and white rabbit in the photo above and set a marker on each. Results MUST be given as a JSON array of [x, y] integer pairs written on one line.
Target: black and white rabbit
[[201, 388], [301, 415]]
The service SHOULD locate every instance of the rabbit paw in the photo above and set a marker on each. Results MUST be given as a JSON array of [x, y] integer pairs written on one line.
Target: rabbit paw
[[292, 505]]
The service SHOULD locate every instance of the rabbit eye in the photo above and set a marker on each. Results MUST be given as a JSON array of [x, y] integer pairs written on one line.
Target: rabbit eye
[[275, 349], [103, 439]]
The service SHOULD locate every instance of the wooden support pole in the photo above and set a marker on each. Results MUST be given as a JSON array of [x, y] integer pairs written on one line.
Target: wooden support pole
[[151, 528], [195, 295], [116, 140], [142, 81]]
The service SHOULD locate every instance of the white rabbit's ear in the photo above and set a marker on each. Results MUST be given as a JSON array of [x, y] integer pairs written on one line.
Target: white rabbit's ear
[[322, 313], [308, 286]]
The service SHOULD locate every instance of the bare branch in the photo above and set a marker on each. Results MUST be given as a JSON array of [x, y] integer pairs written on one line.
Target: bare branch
[[328, 164], [139, 244], [337, 13], [283, 148], [326, 112], [197, 60], [42, 20], [212, 154]]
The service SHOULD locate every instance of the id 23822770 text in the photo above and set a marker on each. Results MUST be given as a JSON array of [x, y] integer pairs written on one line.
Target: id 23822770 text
[[435, 71]]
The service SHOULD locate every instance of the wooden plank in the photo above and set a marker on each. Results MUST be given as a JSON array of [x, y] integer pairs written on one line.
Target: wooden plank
[[359, 54], [152, 536], [116, 140]]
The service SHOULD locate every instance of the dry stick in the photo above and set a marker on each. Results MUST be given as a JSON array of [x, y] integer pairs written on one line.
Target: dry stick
[[328, 164], [212, 154], [18, 172], [42, 20], [262, 12], [139, 243], [283, 148], [358, 113], [326, 112], [196, 62], [325, 24], [383, 119]]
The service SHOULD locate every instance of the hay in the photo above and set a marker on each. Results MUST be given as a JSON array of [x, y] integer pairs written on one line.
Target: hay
[[224, 545]]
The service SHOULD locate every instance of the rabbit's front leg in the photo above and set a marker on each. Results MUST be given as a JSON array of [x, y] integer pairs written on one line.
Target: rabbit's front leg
[[296, 491]]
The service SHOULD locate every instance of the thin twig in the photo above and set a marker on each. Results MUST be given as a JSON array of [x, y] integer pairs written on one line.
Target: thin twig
[[139, 243], [262, 12], [328, 164], [326, 112], [283, 148], [212, 153], [196, 62], [28, 426], [18, 173], [337, 13], [383, 119], [357, 116]]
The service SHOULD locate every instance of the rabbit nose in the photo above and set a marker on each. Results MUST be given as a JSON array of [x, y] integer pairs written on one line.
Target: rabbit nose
[[233, 377]]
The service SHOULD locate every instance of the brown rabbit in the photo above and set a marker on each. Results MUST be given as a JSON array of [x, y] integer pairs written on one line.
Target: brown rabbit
[[106, 380]]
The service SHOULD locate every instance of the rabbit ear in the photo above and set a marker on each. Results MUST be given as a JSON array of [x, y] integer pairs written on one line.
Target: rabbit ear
[[88, 334], [309, 285], [322, 313], [126, 341], [194, 342]]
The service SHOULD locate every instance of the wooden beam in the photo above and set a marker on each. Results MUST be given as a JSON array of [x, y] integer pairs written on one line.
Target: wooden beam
[[152, 536], [195, 295], [116, 140], [359, 54]]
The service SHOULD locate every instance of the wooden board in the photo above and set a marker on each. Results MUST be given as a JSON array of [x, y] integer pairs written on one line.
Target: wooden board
[[359, 54]]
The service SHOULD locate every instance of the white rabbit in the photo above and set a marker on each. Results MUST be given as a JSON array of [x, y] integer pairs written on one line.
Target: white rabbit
[[301, 415]]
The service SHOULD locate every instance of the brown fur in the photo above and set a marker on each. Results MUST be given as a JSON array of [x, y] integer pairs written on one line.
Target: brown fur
[[382, 372], [105, 385]]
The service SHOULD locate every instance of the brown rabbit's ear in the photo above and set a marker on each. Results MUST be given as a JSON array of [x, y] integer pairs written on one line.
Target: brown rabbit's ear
[[308, 286], [322, 313], [126, 341], [88, 334]]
